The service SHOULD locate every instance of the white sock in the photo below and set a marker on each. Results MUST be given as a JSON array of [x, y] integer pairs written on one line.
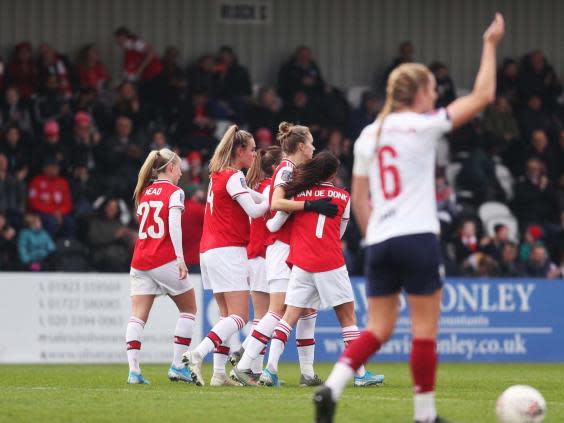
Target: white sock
[[256, 366], [338, 379], [221, 331], [182, 337], [305, 332], [220, 356], [424, 407], [133, 335], [261, 336], [250, 335], [277, 344], [350, 333]]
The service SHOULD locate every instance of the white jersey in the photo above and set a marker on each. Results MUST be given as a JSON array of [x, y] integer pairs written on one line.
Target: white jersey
[[401, 173]]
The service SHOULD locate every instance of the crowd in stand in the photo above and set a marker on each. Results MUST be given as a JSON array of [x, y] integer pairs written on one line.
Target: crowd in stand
[[72, 142]]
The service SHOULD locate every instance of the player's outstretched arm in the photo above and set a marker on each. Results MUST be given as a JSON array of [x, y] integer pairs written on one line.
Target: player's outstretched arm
[[465, 108]]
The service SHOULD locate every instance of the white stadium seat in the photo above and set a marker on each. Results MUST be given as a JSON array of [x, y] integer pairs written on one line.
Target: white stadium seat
[[354, 94]]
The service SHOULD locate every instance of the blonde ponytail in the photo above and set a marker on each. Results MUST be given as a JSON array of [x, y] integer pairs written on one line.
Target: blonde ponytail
[[401, 88], [155, 163], [225, 151]]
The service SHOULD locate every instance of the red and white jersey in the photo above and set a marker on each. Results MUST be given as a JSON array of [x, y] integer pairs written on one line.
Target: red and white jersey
[[315, 245], [154, 246], [281, 176], [135, 52], [225, 222], [401, 173], [259, 231]]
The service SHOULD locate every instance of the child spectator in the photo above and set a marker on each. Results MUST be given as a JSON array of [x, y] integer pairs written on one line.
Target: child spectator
[[34, 244]]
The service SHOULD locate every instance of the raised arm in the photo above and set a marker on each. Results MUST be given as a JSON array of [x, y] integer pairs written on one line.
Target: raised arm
[[465, 108]]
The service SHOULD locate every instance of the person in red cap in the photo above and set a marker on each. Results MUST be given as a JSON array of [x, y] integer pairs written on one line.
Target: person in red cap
[[50, 147], [263, 136], [85, 140]]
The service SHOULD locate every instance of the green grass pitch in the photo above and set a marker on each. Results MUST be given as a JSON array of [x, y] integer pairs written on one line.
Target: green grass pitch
[[98, 393]]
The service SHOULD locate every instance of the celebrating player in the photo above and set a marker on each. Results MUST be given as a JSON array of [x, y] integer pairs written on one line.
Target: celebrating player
[[259, 177], [394, 168], [297, 147], [158, 264], [223, 252], [318, 280]]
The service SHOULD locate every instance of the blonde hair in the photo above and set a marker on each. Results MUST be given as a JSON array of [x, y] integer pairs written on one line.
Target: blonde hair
[[155, 163], [225, 151], [402, 86], [290, 136]]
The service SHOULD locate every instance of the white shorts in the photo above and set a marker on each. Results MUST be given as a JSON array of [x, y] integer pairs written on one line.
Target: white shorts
[[225, 269], [257, 275], [161, 280], [277, 271], [319, 290]]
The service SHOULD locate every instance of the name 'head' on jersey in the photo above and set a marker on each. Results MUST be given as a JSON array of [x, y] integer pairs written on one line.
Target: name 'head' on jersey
[[397, 154]]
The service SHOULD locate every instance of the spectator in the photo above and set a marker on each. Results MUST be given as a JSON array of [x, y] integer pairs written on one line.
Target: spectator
[[129, 104], [16, 150], [466, 241], [192, 224], [195, 130], [112, 241], [537, 77], [500, 123], [300, 74], [233, 83], [509, 264], [90, 102], [51, 147], [175, 82], [406, 52], [92, 72], [22, 71], [541, 149], [84, 141], [34, 244], [16, 110], [445, 87], [507, 81], [301, 110], [540, 266], [84, 190], [201, 76], [159, 140], [54, 64], [493, 246], [263, 138], [49, 196], [364, 115], [480, 265], [194, 176], [12, 193], [140, 63], [50, 104], [8, 247], [533, 116], [535, 200], [447, 208], [119, 158], [532, 236], [265, 113]]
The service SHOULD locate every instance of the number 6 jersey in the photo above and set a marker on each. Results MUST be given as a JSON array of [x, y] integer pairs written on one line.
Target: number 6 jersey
[[401, 173], [154, 247]]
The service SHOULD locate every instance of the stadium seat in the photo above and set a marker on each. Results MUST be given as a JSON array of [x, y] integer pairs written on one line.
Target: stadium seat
[[451, 172], [509, 221], [505, 179], [354, 94], [493, 209]]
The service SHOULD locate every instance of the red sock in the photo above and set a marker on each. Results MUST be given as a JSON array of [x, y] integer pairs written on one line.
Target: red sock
[[359, 351], [423, 364]]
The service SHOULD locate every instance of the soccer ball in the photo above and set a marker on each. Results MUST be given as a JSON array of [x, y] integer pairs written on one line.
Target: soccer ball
[[520, 404]]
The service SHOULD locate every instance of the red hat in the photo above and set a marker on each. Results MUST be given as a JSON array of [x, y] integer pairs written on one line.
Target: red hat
[[23, 45], [263, 135], [194, 155], [82, 118], [535, 231], [51, 127]]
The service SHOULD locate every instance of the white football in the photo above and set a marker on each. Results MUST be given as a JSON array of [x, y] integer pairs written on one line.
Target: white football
[[520, 404]]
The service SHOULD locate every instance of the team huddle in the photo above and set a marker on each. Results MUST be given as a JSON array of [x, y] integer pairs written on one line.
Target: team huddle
[[264, 232]]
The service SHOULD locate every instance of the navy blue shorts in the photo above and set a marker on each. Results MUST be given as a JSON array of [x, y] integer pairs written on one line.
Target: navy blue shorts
[[411, 262]]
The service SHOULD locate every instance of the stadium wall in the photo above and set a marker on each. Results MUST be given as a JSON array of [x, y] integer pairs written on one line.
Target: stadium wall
[[352, 40], [70, 318]]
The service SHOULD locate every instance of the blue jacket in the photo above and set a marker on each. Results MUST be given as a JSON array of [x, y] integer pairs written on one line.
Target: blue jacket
[[34, 245]]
